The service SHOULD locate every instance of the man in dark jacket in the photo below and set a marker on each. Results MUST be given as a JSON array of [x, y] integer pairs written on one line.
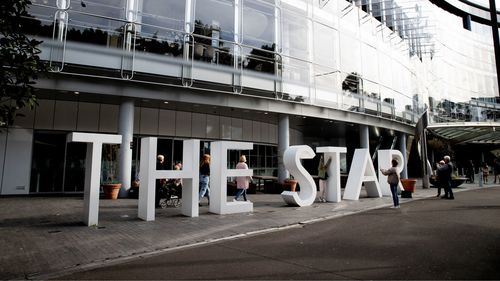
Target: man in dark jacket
[[444, 177]]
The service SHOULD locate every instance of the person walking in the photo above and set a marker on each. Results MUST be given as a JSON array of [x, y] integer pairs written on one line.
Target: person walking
[[444, 173], [486, 171], [322, 175], [242, 182], [393, 181], [205, 177]]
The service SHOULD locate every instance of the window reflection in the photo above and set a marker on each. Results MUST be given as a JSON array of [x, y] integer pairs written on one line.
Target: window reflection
[[162, 26], [94, 22], [295, 32], [100, 27], [214, 30], [109, 8], [258, 24], [260, 59]]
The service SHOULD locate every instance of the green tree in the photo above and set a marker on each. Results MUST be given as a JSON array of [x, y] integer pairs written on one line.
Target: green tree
[[20, 63]]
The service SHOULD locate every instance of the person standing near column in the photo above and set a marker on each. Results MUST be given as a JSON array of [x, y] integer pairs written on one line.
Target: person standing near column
[[322, 175], [243, 182], [205, 177], [393, 180]]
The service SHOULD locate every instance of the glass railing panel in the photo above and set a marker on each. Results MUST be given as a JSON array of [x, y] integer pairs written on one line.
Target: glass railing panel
[[327, 81], [96, 30], [260, 60], [161, 41], [296, 79], [217, 52]]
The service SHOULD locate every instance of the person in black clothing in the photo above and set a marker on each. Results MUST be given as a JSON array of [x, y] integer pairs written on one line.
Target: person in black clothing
[[444, 178]]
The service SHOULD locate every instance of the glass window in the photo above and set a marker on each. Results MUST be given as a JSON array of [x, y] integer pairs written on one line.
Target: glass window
[[214, 30], [164, 13], [109, 163], [48, 162], [177, 152], [162, 27], [96, 22], [258, 24], [109, 8], [41, 20], [324, 45], [74, 176], [295, 32], [215, 19]]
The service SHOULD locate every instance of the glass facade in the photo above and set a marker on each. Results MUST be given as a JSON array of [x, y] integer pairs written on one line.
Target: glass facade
[[314, 52]]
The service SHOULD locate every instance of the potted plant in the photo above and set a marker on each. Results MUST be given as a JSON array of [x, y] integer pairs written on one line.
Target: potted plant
[[109, 180], [290, 184], [409, 185]]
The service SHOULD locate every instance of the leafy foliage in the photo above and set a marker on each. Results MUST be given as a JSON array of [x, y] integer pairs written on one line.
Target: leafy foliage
[[20, 63]]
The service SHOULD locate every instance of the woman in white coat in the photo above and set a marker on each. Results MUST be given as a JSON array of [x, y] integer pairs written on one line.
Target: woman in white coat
[[243, 182]]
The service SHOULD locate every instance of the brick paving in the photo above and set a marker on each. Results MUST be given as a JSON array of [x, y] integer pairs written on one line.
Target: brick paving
[[44, 237]]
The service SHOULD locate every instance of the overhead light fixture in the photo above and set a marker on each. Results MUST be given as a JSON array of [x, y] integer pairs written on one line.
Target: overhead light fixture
[[165, 102], [76, 92], [265, 113]]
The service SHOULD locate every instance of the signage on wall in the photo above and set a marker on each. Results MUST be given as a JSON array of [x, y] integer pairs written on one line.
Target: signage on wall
[[361, 172]]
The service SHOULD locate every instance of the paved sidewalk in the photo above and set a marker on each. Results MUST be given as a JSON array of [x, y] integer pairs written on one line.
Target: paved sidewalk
[[43, 237]]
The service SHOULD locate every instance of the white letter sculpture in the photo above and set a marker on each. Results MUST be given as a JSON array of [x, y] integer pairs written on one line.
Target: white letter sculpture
[[385, 157], [93, 170], [291, 159], [148, 175], [218, 178], [362, 171], [333, 181]]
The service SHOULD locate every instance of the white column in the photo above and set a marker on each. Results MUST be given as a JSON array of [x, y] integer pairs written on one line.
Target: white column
[[126, 129], [402, 148], [364, 137], [283, 144]]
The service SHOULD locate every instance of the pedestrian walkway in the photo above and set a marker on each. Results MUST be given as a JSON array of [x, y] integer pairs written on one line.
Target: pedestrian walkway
[[43, 237]]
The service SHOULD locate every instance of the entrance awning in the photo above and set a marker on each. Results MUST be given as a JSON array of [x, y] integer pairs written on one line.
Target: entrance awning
[[468, 132]]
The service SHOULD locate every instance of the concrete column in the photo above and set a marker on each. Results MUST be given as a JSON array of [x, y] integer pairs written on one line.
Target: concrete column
[[283, 144], [402, 149], [126, 129], [364, 137]]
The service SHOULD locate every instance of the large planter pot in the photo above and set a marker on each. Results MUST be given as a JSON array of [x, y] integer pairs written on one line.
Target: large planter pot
[[409, 185], [111, 190], [290, 184]]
